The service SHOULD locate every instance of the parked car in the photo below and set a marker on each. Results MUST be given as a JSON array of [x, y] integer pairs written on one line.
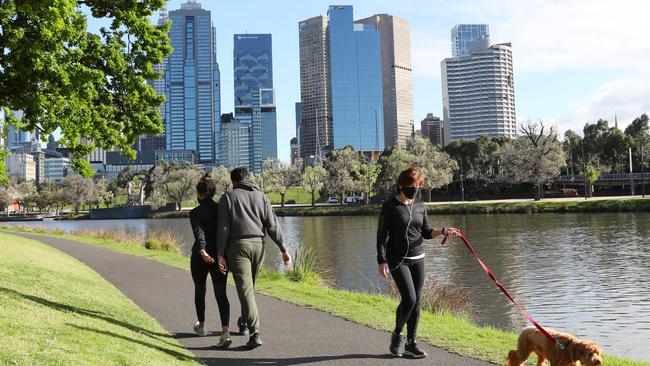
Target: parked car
[[332, 200], [353, 200]]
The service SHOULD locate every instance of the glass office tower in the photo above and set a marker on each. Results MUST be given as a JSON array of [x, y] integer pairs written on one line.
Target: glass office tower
[[192, 83], [356, 79], [462, 35], [254, 94]]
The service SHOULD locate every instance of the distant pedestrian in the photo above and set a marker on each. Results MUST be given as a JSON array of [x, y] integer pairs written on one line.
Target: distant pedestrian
[[245, 217], [403, 226], [204, 226]]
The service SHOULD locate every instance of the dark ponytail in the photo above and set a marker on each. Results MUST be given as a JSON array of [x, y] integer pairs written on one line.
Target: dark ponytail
[[206, 186]]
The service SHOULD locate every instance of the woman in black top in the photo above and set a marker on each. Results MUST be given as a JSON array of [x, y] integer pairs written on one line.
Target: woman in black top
[[403, 226], [204, 226]]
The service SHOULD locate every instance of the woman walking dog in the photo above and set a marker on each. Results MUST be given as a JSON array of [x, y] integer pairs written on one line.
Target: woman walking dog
[[403, 226]]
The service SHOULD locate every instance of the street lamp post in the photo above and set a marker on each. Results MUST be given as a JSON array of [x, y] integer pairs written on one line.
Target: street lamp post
[[642, 171]]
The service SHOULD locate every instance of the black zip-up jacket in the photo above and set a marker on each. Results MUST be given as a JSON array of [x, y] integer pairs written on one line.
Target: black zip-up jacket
[[204, 226], [392, 244]]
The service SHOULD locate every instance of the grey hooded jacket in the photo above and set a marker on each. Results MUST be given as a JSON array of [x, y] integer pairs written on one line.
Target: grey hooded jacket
[[246, 213]]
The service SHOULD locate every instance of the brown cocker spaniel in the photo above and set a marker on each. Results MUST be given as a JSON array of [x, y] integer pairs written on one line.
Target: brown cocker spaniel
[[577, 350]]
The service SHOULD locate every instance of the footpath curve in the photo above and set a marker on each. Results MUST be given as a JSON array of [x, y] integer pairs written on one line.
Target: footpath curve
[[292, 335]]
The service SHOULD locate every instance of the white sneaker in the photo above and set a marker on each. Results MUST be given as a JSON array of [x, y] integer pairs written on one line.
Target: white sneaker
[[224, 340], [199, 329]]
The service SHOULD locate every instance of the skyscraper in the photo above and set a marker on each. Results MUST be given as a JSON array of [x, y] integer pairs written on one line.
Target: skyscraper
[[433, 129], [462, 35], [253, 79], [315, 90], [396, 77], [235, 142], [192, 83], [157, 142], [478, 92], [356, 79]]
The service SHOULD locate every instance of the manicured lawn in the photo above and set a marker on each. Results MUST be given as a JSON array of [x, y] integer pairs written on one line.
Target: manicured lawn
[[452, 332], [56, 311]]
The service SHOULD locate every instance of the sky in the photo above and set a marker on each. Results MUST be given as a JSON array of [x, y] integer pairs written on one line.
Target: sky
[[575, 61]]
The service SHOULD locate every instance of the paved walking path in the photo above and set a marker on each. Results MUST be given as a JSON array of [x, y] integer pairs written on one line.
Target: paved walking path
[[292, 335]]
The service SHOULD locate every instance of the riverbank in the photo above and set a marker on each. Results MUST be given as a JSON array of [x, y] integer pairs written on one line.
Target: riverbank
[[56, 311], [454, 333], [468, 208]]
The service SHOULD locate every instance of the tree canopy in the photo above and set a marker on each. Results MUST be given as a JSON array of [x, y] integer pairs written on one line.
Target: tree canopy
[[91, 87]]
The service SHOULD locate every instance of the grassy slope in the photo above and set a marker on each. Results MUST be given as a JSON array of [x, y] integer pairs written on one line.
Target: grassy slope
[[453, 333], [56, 311]]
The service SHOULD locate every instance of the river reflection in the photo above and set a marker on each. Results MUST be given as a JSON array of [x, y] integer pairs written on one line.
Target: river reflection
[[587, 274]]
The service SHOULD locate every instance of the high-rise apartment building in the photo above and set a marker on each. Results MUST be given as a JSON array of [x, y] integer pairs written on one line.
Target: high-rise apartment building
[[254, 94], [293, 145], [462, 35], [315, 89], [192, 83], [397, 81], [21, 165], [433, 129], [356, 82], [235, 142], [478, 92]]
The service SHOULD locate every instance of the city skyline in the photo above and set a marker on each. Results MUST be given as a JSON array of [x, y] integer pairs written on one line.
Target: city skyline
[[575, 69]]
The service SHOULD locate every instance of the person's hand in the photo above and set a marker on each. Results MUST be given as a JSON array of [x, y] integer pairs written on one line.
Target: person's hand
[[223, 266], [452, 231], [384, 270], [206, 257], [286, 258]]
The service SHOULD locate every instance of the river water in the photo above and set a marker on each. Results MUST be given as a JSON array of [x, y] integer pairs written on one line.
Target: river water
[[587, 274]]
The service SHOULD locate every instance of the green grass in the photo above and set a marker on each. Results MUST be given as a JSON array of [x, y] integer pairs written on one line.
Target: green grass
[[298, 194], [56, 311], [443, 329]]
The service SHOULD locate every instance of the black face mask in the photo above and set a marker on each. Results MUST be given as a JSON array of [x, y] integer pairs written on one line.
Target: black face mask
[[410, 192]]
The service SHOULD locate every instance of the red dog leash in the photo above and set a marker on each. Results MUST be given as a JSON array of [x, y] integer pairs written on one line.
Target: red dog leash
[[503, 289]]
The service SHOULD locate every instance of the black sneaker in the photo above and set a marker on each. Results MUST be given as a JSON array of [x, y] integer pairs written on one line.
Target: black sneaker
[[396, 344], [254, 341], [411, 350], [243, 329]]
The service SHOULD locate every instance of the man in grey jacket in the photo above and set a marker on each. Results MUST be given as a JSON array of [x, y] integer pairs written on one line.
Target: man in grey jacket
[[245, 217]]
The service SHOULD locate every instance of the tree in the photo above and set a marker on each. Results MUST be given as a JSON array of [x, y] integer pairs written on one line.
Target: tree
[[26, 194], [174, 183], [340, 165], [313, 180], [436, 166], [90, 87], [366, 176], [592, 174], [46, 196], [221, 177], [535, 157], [78, 190], [103, 196], [279, 177], [5, 200]]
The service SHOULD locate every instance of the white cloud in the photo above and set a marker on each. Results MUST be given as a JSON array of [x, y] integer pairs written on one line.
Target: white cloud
[[626, 98]]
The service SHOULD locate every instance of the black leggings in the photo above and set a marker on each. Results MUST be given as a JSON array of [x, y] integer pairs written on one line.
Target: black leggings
[[200, 271], [409, 278]]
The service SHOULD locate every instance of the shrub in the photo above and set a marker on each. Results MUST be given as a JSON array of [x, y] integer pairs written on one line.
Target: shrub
[[439, 298], [165, 240], [306, 266]]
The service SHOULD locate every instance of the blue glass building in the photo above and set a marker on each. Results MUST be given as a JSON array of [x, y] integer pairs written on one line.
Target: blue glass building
[[192, 83], [462, 36], [356, 82], [254, 94]]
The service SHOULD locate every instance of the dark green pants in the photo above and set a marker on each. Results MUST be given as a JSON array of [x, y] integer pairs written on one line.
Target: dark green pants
[[244, 260]]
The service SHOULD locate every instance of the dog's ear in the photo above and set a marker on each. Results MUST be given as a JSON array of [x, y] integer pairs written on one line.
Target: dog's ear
[[577, 350]]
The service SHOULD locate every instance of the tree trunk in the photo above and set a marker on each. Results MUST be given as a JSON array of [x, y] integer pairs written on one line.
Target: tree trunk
[[313, 198], [428, 195], [538, 196], [178, 206], [282, 199]]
